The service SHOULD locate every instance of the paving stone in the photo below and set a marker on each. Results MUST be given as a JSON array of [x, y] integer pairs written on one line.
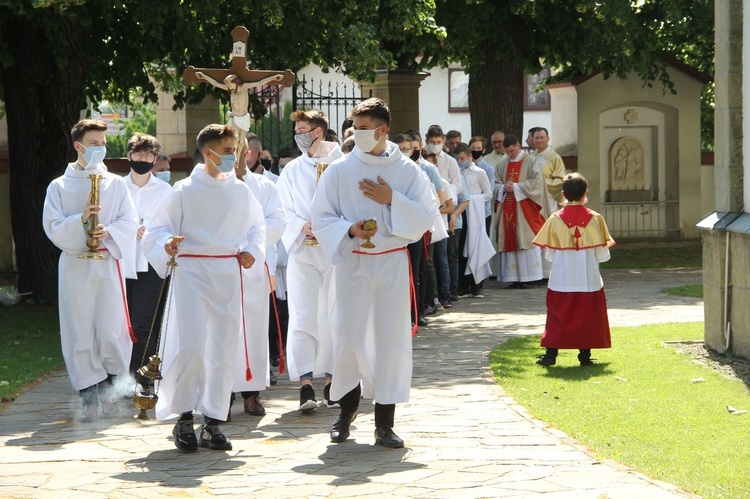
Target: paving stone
[[464, 436]]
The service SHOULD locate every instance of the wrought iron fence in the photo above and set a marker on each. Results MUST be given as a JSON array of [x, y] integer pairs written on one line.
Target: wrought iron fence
[[269, 128], [335, 99], [643, 220]]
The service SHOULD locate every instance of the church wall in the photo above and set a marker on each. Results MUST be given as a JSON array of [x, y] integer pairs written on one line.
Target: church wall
[[681, 135]]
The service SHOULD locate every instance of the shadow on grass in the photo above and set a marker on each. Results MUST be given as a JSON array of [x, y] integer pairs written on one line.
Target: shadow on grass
[[578, 373]]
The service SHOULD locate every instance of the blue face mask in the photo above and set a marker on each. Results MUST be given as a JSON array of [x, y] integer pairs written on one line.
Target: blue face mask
[[163, 175], [227, 162], [94, 155], [464, 164]]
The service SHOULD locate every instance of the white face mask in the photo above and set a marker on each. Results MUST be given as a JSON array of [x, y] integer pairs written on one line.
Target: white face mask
[[93, 156], [435, 148], [365, 139], [163, 175]]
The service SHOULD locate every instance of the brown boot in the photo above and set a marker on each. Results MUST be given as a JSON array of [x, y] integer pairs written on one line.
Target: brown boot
[[254, 407]]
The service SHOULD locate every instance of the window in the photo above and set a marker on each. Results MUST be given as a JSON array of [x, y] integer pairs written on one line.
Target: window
[[458, 91], [533, 101]]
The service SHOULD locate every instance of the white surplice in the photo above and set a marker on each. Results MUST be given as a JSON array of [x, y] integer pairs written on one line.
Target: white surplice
[[146, 200], [258, 294], [93, 325], [309, 273], [372, 320], [220, 218]]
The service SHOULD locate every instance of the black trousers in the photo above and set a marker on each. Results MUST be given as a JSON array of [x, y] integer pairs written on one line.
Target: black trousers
[[143, 296], [274, 348], [416, 251]]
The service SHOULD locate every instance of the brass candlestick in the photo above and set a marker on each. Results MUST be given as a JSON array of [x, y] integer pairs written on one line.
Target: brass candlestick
[[91, 242], [370, 224], [320, 167]]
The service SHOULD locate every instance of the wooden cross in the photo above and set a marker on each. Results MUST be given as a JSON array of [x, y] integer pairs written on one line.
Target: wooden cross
[[239, 65], [631, 116]]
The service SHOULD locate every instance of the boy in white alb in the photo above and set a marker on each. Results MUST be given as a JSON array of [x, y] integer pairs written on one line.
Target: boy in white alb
[[309, 269], [214, 226], [372, 323], [93, 313]]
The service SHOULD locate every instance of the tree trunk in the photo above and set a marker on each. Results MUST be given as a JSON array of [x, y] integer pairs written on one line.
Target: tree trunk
[[42, 102], [496, 96]]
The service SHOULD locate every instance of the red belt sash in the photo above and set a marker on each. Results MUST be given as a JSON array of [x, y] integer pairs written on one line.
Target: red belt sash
[[236, 256], [282, 363], [412, 292]]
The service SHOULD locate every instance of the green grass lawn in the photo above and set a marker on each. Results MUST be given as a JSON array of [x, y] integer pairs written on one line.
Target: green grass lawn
[[688, 290], [652, 258], [639, 406], [29, 345]]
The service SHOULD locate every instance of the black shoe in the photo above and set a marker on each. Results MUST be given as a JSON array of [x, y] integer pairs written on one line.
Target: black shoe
[[590, 362], [340, 428], [540, 283], [454, 297], [524, 285], [422, 321], [184, 436], [386, 437], [212, 438], [546, 361], [515, 285], [430, 310], [273, 379], [274, 361], [307, 402]]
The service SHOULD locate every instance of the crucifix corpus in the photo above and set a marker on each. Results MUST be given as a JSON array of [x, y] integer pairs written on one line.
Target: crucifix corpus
[[238, 80]]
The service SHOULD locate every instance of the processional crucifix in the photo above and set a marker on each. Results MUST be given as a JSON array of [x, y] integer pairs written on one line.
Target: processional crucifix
[[238, 80]]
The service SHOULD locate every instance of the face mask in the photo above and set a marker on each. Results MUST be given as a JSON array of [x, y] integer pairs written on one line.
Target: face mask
[[365, 140], [435, 148], [415, 155], [227, 162], [141, 167], [475, 155], [266, 163], [464, 164], [304, 141], [406, 154], [164, 175], [93, 155]]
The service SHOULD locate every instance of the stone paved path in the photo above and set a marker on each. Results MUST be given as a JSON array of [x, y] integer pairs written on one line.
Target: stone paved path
[[464, 436]]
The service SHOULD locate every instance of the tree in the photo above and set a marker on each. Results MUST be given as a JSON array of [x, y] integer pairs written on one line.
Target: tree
[[57, 54], [497, 42]]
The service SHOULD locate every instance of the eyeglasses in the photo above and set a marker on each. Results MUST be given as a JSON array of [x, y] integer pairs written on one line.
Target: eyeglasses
[[143, 156]]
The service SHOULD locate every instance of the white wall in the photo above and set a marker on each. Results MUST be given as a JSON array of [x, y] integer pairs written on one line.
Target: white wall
[[433, 103]]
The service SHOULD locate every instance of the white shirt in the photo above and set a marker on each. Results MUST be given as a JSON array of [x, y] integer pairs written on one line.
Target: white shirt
[[146, 200]]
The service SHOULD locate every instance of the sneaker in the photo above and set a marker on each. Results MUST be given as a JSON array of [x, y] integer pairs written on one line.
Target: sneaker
[[274, 361], [89, 413], [439, 306], [464, 294], [272, 379], [184, 436], [307, 402], [446, 305], [430, 310], [327, 402], [454, 297], [254, 407], [478, 294], [212, 438]]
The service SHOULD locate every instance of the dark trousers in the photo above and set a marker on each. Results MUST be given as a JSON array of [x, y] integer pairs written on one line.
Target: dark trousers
[[274, 348], [416, 250], [428, 282], [453, 258], [143, 296], [384, 413]]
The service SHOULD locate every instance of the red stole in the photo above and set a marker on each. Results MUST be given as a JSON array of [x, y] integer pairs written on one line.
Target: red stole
[[532, 212]]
